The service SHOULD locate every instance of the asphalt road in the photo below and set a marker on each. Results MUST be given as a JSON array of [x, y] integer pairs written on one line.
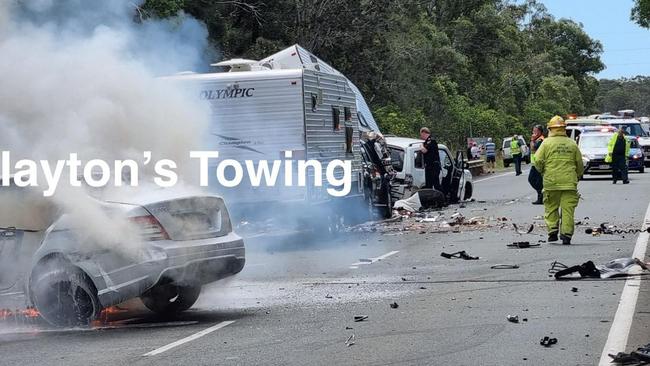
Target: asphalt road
[[295, 301]]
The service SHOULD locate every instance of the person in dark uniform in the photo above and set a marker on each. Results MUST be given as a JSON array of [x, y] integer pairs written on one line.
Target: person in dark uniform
[[431, 156]]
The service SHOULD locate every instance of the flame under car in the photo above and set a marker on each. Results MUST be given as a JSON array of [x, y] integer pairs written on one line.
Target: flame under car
[[178, 245]]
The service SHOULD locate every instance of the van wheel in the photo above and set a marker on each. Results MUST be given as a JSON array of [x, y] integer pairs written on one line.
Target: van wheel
[[170, 299], [64, 295]]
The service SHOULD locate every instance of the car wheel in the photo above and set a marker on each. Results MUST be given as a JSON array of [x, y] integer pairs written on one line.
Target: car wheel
[[170, 299], [64, 295], [642, 169], [528, 159], [506, 164]]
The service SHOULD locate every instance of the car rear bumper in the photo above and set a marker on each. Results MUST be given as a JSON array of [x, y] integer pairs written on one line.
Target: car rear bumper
[[192, 262]]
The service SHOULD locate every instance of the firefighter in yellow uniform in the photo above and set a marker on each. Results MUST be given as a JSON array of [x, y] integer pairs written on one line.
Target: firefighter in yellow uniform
[[559, 161]]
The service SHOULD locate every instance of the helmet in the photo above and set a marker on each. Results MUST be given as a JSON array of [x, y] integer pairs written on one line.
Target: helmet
[[556, 122]]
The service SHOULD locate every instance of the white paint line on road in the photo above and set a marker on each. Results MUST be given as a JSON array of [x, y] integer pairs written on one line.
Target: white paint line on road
[[620, 330], [499, 176], [373, 260], [189, 339], [12, 293]]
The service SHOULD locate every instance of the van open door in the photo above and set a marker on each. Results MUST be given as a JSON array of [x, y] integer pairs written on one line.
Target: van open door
[[457, 178]]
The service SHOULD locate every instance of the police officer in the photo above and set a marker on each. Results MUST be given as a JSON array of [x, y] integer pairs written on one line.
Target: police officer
[[515, 150], [618, 150], [559, 161], [429, 150]]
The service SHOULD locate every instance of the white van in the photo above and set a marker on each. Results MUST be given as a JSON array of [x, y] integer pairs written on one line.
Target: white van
[[408, 164], [507, 155]]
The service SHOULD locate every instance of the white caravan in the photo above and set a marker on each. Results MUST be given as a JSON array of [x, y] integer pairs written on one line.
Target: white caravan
[[290, 101]]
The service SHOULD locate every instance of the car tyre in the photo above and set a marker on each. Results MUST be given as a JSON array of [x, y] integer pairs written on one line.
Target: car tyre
[[170, 299], [64, 295], [506, 164], [642, 169]]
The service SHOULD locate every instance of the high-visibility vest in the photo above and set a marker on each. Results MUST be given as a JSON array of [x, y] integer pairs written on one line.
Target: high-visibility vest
[[514, 147]]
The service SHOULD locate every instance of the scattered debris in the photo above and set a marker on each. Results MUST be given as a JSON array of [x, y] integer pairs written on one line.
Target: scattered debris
[[394, 305], [350, 342], [460, 255], [547, 341], [505, 266], [513, 318], [422, 288], [348, 328], [640, 356], [521, 232], [616, 267], [328, 296], [605, 229], [360, 318], [574, 289], [522, 245]]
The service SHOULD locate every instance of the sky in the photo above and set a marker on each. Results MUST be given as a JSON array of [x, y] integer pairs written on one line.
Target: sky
[[626, 45]]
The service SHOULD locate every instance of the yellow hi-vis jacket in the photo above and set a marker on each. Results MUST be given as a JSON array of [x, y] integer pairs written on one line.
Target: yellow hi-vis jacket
[[559, 161], [514, 147], [610, 148]]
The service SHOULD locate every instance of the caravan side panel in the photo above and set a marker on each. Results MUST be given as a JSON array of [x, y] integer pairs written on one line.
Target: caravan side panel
[[261, 125], [324, 141]]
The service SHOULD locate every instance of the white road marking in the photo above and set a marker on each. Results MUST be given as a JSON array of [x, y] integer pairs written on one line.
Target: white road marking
[[499, 176], [12, 293], [620, 330], [373, 260], [189, 339]]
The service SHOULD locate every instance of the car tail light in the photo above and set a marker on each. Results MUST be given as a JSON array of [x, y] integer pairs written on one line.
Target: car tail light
[[150, 228]]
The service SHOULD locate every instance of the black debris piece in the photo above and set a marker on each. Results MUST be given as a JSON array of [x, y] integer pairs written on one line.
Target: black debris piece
[[522, 232], [513, 318], [505, 266], [360, 318], [394, 305], [522, 244], [547, 341], [574, 289], [350, 341], [328, 296], [460, 255]]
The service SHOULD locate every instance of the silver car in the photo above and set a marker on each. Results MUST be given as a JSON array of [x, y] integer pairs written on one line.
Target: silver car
[[183, 243]]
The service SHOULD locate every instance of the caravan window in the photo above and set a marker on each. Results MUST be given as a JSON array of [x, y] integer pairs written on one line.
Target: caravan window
[[349, 131], [347, 113], [314, 61], [362, 120], [314, 102], [336, 118]]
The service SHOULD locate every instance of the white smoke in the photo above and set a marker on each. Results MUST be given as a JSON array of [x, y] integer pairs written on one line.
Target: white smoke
[[80, 76]]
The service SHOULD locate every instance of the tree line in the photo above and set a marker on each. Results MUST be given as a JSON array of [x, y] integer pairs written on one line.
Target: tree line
[[461, 67]]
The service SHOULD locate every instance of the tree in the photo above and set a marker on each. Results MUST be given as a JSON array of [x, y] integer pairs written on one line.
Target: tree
[[641, 13]]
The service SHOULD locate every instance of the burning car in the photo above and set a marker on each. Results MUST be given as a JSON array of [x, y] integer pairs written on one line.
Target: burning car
[[160, 247]]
